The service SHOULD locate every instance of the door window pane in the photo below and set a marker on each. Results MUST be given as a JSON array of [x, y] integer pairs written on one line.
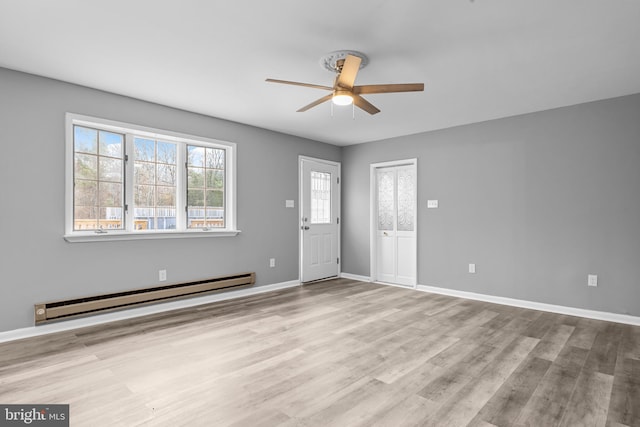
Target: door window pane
[[406, 199], [386, 197], [320, 198]]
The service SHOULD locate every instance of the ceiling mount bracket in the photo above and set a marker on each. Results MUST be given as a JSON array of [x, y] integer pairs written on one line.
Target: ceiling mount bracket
[[334, 60]]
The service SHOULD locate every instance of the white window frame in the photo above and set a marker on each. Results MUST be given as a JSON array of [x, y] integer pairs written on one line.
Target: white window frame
[[131, 131]]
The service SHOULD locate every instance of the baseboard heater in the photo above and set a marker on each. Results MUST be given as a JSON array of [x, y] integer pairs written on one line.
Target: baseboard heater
[[58, 310]]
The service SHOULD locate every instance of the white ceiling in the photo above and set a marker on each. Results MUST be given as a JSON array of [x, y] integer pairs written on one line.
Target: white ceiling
[[479, 60]]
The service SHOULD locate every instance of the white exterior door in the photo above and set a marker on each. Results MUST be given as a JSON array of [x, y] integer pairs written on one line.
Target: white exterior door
[[395, 250], [320, 213]]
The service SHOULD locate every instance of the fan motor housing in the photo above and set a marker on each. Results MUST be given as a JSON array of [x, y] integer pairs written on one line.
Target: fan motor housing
[[333, 61]]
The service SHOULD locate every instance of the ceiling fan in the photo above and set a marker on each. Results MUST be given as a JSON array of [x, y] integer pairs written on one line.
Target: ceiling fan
[[347, 63]]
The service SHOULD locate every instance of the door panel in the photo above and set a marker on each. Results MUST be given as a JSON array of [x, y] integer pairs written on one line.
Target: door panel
[[320, 195], [406, 260], [396, 224]]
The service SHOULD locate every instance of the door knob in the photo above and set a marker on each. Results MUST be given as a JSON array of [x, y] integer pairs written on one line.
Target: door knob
[[305, 227], [385, 233]]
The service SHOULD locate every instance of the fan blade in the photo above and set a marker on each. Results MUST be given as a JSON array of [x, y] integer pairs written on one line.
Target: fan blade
[[403, 87], [316, 102], [287, 82], [349, 71], [364, 104]]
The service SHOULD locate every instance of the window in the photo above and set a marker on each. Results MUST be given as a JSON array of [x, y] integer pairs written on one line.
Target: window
[[129, 182], [320, 198]]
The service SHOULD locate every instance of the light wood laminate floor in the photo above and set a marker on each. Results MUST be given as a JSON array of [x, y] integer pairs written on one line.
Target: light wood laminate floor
[[335, 353]]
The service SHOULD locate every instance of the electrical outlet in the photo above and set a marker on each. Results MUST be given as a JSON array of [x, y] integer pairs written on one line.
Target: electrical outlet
[[472, 268], [432, 204], [272, 262], [162, 275], [592, 280]]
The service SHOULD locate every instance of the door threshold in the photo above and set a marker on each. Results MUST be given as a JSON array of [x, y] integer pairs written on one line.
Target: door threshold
[[324, 279], [398, 285]]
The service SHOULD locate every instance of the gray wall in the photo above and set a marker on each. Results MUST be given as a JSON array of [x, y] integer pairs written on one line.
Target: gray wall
[[536, 201], [37, 265]]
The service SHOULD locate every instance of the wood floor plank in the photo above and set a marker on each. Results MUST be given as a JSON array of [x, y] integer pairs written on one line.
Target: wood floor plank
[[547, 405], [506, 404], [604, 352], [338, 352], [463, 406], [590, 401], [624, 404]]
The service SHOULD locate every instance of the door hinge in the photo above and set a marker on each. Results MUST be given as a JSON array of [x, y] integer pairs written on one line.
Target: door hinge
[[337, 260], [126, 157], [126, 208], [338, 220], [338, 178]]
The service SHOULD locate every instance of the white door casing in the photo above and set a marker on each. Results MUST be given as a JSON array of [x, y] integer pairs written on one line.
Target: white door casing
[[319, 219], [394, 222]]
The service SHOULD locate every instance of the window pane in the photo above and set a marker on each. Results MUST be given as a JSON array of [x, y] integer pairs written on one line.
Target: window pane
[[144, 173], [144, 149], [111, 144], [214, 198], [195, 198], [167, 153], [86, 166], [215, 179], [98, 197], [110, 169], [85, 193], [166, 175], [154, 185], [195, 156], [320, 198], [110, 194], [166, 198], [195, 177], [215, 158], [205, 187], [144, 198], [85, 140], [86, 218], [110, 218]]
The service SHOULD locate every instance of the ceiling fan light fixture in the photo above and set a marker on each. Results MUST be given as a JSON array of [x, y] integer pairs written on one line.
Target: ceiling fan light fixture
[[342, 97]]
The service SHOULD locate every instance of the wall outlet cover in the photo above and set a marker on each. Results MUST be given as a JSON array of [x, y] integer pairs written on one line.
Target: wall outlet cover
[[592, 280], [472, 268], [432, 204]]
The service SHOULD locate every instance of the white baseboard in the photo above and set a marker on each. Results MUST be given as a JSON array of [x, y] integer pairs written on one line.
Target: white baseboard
[[355, 277], [560, 309], [98, 319]]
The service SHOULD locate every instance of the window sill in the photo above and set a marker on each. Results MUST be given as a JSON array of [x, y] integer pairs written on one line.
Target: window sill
[[141, 235]]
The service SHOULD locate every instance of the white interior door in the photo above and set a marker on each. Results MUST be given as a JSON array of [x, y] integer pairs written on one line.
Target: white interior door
[[320, 213], [395, 224]]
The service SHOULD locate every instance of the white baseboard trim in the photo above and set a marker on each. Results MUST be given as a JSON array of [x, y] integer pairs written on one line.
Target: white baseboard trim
[[66, 325], [560, 309], [355, 277]]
